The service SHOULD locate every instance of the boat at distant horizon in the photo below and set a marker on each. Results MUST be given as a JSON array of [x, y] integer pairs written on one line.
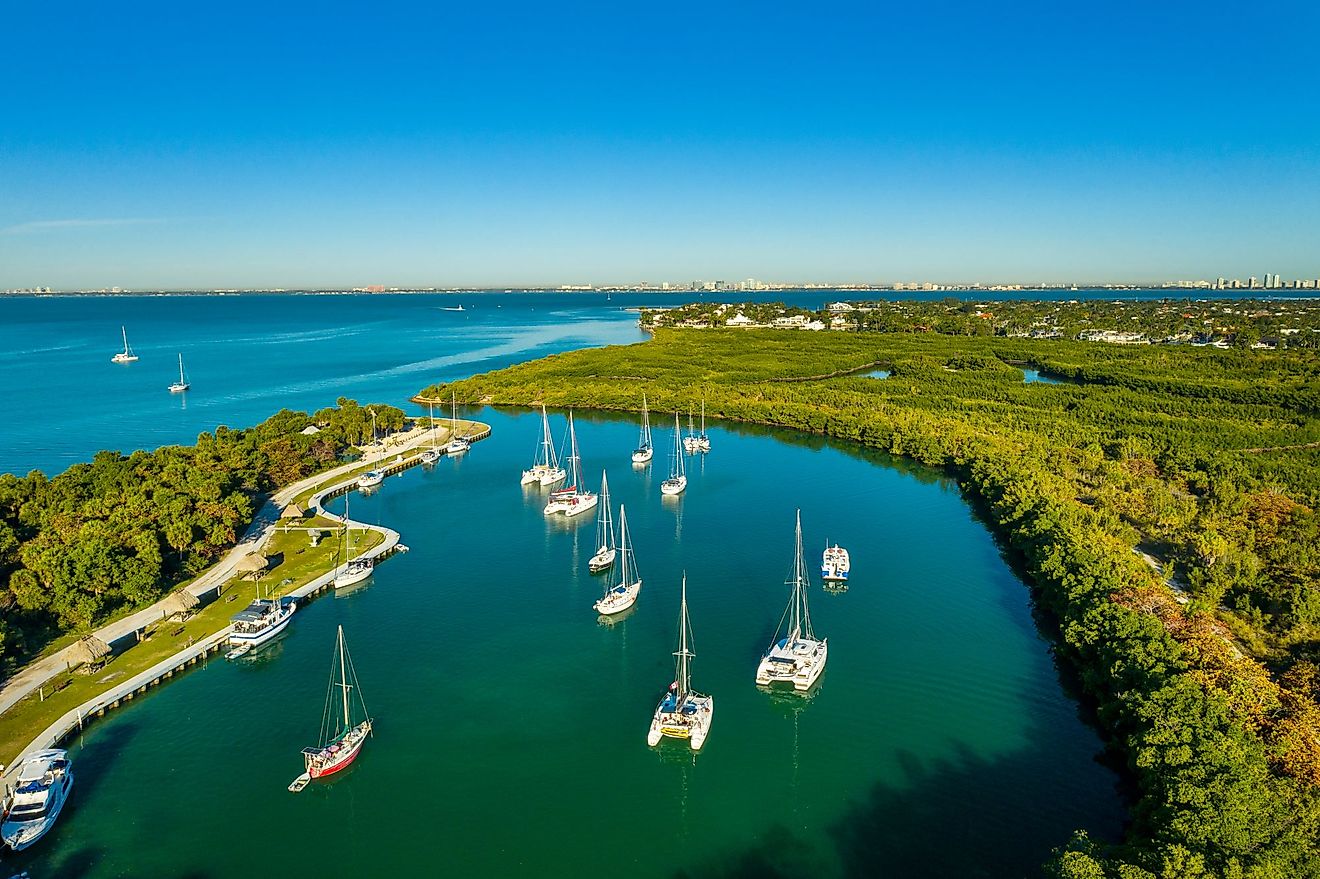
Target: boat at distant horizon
[[45, 780], [342, 739], [127, 355]]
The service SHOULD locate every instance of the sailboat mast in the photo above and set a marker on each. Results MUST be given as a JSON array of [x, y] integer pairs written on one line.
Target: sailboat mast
[[623, 547], [604, 527], [684, 672], [646, 426], [573, 462], [547, 444], [802, 617], [124, 330], [343, 675]]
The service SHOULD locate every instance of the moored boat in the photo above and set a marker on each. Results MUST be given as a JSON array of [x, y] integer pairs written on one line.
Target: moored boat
[[644, 451], [127, 355], [625, 582], [182, 384], [834, 564], [605, 546], [457, 445], [545, 469], [342, 735], [432, 454], [45, 780], [683, 713], [260, 621], [572, 499], [798, 658], [677, 481], [370, 479]]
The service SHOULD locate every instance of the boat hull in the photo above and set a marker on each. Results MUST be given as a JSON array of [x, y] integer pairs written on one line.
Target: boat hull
[[121, 358], [805, 669], [672, 487], [20, 835], [343, 759], [641, 456], [256, 639], [352, 578], [674, 725], [618, 599], [602, 561]]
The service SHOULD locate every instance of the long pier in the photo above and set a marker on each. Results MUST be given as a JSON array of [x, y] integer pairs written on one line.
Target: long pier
[[77, 718]]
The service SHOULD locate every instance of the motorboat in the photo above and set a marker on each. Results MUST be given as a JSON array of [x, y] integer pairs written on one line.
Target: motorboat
[[260, 621], [45, 780], [834, 564]]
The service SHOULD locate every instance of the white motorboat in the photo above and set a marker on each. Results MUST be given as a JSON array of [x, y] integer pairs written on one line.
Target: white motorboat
[[127, 355], [625, 582], [605, 546], [573, 499], [260, 621], [677, 481], [45, 780], [798, 658], [682, 713], [457, 445], [370, 479], [834, 564], [182, 384], [545, 469], [644, 452]]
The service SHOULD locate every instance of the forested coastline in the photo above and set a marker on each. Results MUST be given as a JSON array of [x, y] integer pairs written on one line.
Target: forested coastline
[[121, 531], [1205, 677]]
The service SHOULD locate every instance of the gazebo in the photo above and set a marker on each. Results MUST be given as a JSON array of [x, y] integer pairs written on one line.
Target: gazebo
[[181, 604], [91, 653], [254, 564], [293, 511]]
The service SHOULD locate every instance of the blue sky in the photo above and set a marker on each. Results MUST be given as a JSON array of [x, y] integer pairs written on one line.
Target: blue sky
[[175, 145]]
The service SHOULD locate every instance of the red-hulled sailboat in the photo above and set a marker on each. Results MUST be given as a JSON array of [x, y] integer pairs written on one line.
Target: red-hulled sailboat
[[343, 737]]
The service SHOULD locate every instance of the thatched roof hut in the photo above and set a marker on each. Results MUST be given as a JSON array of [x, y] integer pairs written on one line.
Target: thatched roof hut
[[293, 511], [180, 603], [253, 563], [91, 650]]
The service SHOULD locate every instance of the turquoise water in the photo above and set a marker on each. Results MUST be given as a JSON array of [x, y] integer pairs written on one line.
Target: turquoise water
[[1035, 375], [511, 724]]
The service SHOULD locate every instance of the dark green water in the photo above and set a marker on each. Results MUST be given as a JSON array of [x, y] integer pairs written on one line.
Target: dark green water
[[511, 724]]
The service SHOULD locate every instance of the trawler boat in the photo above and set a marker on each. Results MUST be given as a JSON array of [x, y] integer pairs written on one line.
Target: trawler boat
[[127, 355], [834, 564], [45, 780], [457, 444], [644, 452], [343, 738], [182, 384], [682, 713], [677, 480], [259, 622], [606, 550], [370, 479], [545, 469], [691, 444], [622, 589], [432, 454], [572, 499], [798, 658]]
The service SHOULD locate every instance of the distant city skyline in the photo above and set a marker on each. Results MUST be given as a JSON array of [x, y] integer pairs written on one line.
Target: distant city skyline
[[534, 146]]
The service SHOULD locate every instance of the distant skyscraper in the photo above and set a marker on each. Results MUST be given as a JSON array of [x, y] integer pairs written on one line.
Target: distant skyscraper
[[1252, 282]]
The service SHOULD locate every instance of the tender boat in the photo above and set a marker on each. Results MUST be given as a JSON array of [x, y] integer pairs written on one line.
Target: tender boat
[[182, 384], [370, 479], [127, 355], [834, 564], [606, 549], [677, 481], [572, 500], [623, 587], [798, 658], [260, 621], [457, 444], [682, 713], [45, 780], [343, 738], [545, 469], [644, 452]]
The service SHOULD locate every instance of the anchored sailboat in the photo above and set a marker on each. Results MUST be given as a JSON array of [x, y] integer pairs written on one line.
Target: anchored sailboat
[[690, 442], [677, 480], [182, 384], [127, 355], [342, 737], [682, 713], [432, 454], [644, 452], [703, 441], [457, 444], [356, 571], [545, 468], [605, 547], [798, 657], [625, 582], [573, 499]]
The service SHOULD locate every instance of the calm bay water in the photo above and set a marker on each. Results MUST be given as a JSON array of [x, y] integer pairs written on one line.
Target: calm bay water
[[511, 723]]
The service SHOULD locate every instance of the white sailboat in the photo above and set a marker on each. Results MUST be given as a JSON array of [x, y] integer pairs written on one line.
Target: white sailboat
[[432, 454], [605, 547], [677, 480], [343, 739], [457, 444], [545, 469], [703, 441], [682, 713], [573, 499], [356, 571], [644, 451], [625, 582], [182, 384], [690, 442], [798, 658], [127, 355], [45, 780]]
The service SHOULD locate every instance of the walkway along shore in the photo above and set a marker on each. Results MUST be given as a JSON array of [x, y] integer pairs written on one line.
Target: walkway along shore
[[263, 526]]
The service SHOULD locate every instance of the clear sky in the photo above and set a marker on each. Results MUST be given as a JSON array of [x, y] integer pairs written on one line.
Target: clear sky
[[279, 144]]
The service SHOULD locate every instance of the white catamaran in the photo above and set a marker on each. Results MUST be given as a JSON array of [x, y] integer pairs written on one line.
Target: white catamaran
[[432, 454], [342, 738], [625, 582], [182, 384], [545, 469], [127, 355], [457, 444], [644, 451], [682, 713], [573, 499], [677, 480], [798, 658], [606, 550]]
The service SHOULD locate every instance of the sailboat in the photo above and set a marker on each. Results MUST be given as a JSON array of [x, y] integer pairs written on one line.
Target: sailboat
[[432, 454], [677, 480], [644, 452], [682, 713], [573, 499], [127, 355], [457, 444], [690, 442], [182, 384], [703, 441], [605, 548], [545, 468], [798, 657], [356, 571], [342, 738], [625, 582]]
